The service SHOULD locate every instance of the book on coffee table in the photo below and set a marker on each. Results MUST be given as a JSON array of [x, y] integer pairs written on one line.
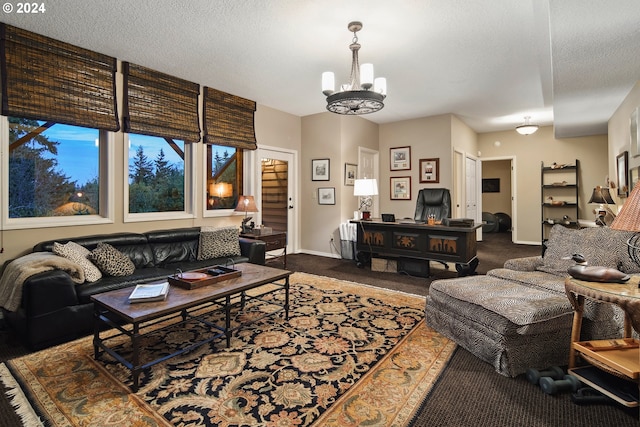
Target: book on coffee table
[[149, 293]]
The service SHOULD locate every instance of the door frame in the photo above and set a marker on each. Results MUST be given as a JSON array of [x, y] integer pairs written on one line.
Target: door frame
[[514, 201], [293, 214]]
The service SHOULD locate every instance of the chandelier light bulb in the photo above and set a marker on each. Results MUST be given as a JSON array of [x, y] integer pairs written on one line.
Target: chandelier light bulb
[[380, 86], [328, 83], [366, 76]]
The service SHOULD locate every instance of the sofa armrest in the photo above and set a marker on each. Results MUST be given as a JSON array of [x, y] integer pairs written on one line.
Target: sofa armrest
[[524, 264], [253, 249], [48, 291]]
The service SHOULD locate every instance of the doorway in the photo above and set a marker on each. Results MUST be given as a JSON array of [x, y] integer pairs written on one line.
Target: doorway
[[498, 195], [276, 170]]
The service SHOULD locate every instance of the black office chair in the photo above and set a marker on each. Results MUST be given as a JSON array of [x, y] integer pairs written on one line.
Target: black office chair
[[436, 202], [433, 201]]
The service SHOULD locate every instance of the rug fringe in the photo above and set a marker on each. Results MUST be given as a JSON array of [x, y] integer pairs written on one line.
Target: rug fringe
[[18, 400]]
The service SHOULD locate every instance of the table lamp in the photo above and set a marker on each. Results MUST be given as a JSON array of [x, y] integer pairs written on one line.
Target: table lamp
[[629, 220], [602, 197], [246, 204], [365, 188]]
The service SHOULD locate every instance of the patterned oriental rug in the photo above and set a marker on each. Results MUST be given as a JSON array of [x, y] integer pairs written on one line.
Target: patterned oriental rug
[[350, 355]]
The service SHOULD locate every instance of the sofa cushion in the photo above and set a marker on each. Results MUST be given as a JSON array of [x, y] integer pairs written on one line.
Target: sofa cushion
[[111, 261], [79, 255], [218, 242], [600, 246]]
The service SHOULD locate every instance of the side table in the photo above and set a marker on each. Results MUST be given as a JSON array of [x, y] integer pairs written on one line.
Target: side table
[[618, 357], [274, 241]]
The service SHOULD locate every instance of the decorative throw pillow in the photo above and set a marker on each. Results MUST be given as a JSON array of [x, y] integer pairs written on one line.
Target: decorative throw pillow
[[78, 254], [218, 242], [111, 261], [600, 246]]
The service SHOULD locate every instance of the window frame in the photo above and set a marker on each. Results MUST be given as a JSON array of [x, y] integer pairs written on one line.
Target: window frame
[[246, 175], [106, 182], [189, 195]]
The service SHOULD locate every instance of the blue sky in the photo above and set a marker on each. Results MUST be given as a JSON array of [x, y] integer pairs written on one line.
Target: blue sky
[[77, 151]]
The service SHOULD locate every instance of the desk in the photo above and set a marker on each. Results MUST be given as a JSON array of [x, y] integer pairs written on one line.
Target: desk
[[619, 357], [420, 241]]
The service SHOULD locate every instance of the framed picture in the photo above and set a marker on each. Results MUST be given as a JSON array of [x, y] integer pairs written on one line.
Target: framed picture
[[634, 175], [327, 196], [634, 130], [490, 185], [400, 188], [320, 170], [400, 158], [350, 171], [430, 170], [622, 161]]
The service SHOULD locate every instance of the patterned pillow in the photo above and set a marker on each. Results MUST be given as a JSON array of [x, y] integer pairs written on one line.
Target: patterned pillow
[[78, 254], [111, 261], [218, 242], [600, 246]]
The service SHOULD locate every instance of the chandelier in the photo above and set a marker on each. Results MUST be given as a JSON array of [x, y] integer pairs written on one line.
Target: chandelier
[[526, 128], [363, 94]]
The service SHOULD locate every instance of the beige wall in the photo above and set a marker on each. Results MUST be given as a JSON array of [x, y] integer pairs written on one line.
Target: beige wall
[[428, 137], [529, 151], [337, 138], [273, 127], [619, 134]]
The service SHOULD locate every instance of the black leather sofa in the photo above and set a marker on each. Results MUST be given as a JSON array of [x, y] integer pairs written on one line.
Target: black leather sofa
[[54, 309]]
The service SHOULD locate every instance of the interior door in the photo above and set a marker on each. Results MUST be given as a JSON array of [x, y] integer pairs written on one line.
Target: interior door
[[472, 204], [276, 183]]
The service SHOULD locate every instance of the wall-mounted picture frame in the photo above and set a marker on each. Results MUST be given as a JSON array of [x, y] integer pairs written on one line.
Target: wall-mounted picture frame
[[430, 171], [400, 188], [622, 162], [320, 170], [490, 185], [350, 173], [327, 196], [400, 158], [634, 131], [634, 176]]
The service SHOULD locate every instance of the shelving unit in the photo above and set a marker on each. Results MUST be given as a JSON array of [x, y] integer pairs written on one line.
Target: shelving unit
[[561, 184]]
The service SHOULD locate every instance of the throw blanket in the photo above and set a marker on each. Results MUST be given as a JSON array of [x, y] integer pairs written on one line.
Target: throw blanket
[[20, 269]]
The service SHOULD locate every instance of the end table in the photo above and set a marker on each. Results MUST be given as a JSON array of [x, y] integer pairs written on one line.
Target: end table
[[274, 240], [618, 357]]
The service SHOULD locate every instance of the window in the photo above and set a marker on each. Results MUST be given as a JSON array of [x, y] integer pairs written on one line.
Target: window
[[224, 177], [156, 174], [53, 169]]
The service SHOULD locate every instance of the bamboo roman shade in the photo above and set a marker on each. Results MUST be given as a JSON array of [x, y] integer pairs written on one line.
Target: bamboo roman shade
[[46, 79], [158, 104], [228, 120]]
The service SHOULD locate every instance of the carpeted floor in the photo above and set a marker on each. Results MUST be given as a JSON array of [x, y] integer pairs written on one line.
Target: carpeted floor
[[469, 392]]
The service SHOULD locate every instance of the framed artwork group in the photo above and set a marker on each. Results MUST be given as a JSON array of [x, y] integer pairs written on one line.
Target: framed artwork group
[[400, 186]]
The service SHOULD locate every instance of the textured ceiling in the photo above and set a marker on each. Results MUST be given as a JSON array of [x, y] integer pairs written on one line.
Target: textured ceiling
[[569, 63]]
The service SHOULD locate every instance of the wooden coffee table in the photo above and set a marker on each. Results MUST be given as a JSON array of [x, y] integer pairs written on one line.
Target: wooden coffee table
[[112, 309]]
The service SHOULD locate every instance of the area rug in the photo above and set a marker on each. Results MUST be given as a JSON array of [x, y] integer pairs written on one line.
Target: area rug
[[349, 355]]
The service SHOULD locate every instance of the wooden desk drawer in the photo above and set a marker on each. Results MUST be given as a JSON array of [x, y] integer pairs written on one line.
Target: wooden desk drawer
[[274, 243]]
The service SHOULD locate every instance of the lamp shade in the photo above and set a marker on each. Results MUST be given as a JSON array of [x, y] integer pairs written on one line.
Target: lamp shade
[[365, 187], [246, 204], [601, 196], [629, 217]]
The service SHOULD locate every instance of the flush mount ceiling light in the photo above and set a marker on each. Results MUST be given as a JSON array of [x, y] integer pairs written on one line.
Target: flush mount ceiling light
[[526, 128], [363, 94]]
